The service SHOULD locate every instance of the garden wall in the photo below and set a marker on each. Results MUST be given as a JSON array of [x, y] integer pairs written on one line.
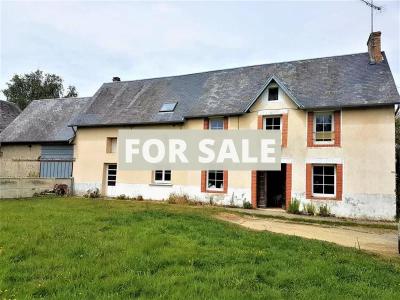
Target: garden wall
[[27, 187]]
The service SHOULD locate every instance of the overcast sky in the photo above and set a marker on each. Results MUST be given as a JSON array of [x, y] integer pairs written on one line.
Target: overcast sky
[[89, 42]]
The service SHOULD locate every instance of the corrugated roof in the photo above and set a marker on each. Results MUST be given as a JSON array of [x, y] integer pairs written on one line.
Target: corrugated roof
[[330, 82], [44, 121], [8, 112]]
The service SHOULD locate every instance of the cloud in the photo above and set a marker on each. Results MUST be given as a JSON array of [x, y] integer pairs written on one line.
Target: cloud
[[89, 42]]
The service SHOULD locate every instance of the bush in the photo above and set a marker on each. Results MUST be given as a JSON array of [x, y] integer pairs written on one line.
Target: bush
[[139, 198], [122, 197], [92, 193], [310, 209], [175, 198], [247, 205], [294, 207], [324, 211]]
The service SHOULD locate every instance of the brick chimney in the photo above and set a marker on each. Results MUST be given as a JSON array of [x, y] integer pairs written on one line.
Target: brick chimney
[[116, 79], [374, 48]]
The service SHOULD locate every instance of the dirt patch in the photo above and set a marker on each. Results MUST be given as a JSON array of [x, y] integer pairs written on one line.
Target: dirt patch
[[380, 241]]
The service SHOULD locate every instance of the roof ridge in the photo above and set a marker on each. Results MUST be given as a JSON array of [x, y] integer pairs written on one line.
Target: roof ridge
[[236, 68], [63, 98]]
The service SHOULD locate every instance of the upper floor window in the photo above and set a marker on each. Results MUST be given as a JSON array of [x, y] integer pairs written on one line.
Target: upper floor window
[[111, 145], [162, 176], [323, 127], [273, 93], [273, 123], [217, 124], [324, 178]]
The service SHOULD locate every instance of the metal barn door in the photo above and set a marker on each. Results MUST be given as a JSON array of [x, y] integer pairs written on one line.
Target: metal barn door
[[56, 161]]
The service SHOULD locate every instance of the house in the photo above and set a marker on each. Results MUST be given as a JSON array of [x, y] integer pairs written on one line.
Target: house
[[8, 112], [39, 142], [336, 116]]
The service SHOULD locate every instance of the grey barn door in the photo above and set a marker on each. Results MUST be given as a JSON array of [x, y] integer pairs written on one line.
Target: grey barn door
[[56, 161]]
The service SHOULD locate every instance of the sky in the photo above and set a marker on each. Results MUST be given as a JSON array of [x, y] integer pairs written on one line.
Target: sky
[[89, 42]]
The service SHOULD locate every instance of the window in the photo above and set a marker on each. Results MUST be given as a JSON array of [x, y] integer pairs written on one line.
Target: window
[[273, 93], [324, 180], [273, 123], [162, 176], [323, 127], [168, 107], [217, 124], [111, 145], [111, 175], [215, 180]]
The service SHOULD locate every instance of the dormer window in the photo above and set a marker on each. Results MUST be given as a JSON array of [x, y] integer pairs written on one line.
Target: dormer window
[[273, 93], [168, 107]]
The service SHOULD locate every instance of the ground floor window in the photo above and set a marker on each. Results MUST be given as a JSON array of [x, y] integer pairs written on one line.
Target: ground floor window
[[324, 178], [162, 176], [215, 180], [111, 175]]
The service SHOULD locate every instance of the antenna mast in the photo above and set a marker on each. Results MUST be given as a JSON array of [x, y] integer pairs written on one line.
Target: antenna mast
[[371, 4]]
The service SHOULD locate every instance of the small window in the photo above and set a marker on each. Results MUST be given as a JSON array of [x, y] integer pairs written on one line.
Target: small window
[[273, 94], [111, 145], [162, 176], [168, 107], [273, 123], [215, 180], [217, 124], [323, 126], [324, 180], [111, 175]]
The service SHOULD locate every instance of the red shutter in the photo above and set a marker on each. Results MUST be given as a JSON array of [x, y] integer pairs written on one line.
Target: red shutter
[[288, 188], [339, 181], [310, 129], [260, 122], [308, 181], [254, 189], [337, 123], [284, 129]]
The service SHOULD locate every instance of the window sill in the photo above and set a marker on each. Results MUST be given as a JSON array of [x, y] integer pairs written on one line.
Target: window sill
[[216, 191], [160, 184], [324, 198]]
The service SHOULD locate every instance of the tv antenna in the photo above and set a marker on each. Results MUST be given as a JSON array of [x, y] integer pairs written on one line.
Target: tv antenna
[[373, 7]]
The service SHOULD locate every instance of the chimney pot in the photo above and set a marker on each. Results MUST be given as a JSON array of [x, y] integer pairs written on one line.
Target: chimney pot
[[374, 48], [116, 79]]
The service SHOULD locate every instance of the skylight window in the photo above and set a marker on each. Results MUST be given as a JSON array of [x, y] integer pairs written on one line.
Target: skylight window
[[168, 107]]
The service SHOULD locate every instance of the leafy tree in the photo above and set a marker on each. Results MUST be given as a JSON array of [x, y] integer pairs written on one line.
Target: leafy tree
[[22, 89], [71, 92]]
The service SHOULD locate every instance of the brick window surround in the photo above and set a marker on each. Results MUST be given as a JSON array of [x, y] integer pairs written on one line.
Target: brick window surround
[[339, 183], [337, 130], [284, 126], [206, 126]]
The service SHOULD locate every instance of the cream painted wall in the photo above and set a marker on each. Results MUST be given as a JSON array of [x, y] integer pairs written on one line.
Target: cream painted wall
[[367, 155], [13, 160]]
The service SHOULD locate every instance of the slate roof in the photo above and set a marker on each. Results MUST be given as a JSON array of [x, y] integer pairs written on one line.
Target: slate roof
[[330, 82], [44, 121], [8, 112]]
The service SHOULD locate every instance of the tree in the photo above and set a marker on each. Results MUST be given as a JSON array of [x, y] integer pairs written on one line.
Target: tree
[[71, 92], [22, 89]]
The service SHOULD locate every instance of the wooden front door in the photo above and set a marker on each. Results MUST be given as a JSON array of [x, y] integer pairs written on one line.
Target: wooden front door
[[262, 189]]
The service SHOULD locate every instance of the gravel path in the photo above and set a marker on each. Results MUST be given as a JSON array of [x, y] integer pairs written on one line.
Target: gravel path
[[381, 241]]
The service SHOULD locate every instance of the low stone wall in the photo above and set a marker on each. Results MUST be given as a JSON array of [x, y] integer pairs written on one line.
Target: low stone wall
[[27, 187]]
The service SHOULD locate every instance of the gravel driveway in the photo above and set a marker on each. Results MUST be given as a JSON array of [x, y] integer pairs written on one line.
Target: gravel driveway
[[380, 241]]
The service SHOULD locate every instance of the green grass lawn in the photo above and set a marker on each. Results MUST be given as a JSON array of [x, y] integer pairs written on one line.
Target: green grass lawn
[[78, 248]]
